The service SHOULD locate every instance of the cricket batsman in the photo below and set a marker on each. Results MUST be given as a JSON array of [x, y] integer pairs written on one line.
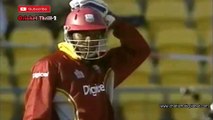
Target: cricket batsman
[[77, 81]]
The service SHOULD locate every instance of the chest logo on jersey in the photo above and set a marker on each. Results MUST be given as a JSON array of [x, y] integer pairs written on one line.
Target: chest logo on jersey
[[79, 74], [93, 90]]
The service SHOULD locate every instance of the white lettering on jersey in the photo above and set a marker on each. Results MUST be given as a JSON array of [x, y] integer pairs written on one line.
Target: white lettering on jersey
[[38, 75], [93, 90]]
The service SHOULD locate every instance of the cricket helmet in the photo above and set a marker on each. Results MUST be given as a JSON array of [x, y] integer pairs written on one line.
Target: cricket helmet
[[85, 29]]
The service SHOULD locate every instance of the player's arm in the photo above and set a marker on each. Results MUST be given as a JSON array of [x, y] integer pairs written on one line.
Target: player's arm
[[39, 94], [132, 52]]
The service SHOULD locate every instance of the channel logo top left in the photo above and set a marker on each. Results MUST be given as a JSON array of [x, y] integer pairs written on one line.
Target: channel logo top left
[[23, 9], [34, 9]]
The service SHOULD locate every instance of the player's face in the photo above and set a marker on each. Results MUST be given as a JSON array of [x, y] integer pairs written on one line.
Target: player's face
[[87, 42]]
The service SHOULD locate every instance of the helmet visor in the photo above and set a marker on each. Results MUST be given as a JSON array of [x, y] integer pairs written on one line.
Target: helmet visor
[[88, 44]]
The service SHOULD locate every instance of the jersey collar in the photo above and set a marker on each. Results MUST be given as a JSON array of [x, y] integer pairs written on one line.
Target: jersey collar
[[69, 50]]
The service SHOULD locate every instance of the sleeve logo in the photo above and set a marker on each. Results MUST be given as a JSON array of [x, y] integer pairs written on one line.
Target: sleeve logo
[[40, 75]]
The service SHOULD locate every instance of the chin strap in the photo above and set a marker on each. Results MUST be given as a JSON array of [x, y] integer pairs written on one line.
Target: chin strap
[[68, 49]]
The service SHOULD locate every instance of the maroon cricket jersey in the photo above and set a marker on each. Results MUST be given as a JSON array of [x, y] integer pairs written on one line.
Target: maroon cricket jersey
[[63, 88]]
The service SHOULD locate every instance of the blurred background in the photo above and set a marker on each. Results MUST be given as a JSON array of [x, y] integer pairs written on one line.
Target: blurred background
[[179, 70]]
